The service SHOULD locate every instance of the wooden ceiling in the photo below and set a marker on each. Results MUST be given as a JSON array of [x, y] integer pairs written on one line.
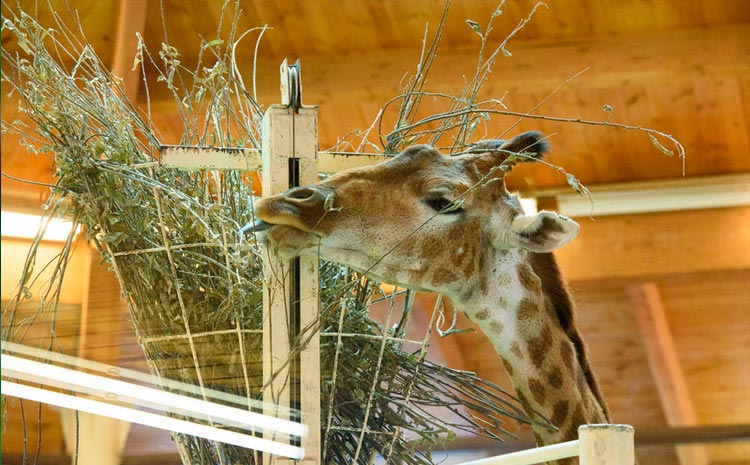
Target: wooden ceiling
[[678, 66]]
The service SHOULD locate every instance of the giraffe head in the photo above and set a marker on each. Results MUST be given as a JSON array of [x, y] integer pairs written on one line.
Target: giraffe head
[[422, 219]]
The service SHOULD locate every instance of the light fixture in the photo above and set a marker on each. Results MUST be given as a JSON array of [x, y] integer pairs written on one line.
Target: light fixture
[[110, 390], [25, 226], [132, 415], [44, 373], [143, 378]]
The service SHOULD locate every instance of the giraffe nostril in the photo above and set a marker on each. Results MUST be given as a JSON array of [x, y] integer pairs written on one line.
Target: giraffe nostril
[[303, 193]]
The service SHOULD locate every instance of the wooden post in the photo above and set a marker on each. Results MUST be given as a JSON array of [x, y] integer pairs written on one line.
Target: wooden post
[[671, 384], [606, 445], [93, 439], [290, 304], [306, 149]]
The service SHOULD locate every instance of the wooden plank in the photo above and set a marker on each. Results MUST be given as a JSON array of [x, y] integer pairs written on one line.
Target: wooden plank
[[14, 252], [665, 367], [131, 19], [210, 158], [306, 151], [658, 244], [333, 162], [228, 158], [277, 142]]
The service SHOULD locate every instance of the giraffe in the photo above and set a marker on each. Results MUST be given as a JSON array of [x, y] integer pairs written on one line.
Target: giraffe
[[447, 224]]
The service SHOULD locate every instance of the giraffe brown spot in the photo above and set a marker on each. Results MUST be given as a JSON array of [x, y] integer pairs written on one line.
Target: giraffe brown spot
[[537, 391], [429, 249], [554, 377], [408, 246], [577, 419], [470, 260], [443, 276], [527, 309], [559, 412], [515, 347], [529, 280], [496, 327], [508, 367], [482, 314], [526, 404], [539, 346]]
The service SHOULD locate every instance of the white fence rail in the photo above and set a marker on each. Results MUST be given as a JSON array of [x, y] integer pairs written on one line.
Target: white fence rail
[[597, 445]]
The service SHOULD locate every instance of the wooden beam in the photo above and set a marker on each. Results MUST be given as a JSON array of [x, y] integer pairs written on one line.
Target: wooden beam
[[665, 367], [646, 57], [93, 439], [641, 247], [131, 18]]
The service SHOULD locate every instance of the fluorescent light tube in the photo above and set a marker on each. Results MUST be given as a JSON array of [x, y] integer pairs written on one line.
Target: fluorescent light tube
[[73, 380], [124, 373], [9, 388]]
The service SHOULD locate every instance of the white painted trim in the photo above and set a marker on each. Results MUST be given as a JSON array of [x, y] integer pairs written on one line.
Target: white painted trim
[[559, 451], [651, 197]]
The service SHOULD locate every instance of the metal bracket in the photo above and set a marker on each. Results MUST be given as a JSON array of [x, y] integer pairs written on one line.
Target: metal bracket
[[291, 85]]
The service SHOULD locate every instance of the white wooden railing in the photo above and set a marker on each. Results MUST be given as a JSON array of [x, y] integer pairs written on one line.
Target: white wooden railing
[[603, 444]]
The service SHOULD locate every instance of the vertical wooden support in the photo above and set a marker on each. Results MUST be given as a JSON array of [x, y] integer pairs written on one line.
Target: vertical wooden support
[[131, 19], [277, 142], [306, 150], [606, 445], [290, 303], [93, 439], [673, 388]]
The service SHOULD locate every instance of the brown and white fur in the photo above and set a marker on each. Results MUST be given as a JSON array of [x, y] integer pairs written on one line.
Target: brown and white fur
[[447, 224]]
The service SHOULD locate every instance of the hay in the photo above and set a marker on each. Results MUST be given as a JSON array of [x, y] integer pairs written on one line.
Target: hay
[[192, 284]]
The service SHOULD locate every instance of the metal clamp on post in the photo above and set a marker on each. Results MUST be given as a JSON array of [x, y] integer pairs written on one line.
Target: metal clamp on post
[[291, 85]]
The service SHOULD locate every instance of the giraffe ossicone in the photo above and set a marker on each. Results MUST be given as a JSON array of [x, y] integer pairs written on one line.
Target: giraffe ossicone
[[448, 224]]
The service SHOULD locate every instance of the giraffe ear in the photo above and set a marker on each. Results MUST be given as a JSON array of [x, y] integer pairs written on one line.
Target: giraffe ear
[[533, 143], [542, 232]]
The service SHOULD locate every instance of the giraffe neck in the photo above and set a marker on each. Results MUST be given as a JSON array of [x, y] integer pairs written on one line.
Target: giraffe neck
[[527, 315]]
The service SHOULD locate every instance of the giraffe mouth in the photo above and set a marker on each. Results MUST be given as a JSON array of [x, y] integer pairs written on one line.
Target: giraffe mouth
[[255, 227]]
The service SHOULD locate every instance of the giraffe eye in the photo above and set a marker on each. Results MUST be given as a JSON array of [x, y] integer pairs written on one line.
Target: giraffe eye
[[445, 206]]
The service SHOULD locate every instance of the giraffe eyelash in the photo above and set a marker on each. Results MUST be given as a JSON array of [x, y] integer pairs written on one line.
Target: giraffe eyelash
[[445, 206]]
